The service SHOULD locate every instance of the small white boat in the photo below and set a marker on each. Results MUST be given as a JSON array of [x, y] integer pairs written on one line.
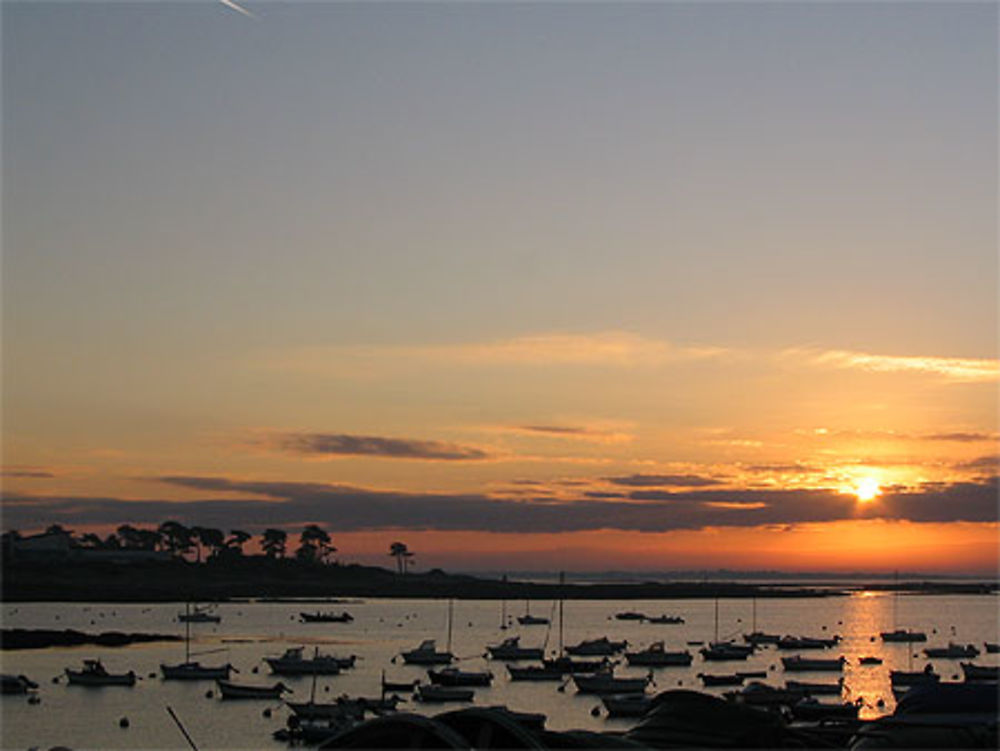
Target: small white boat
[[95, 674]]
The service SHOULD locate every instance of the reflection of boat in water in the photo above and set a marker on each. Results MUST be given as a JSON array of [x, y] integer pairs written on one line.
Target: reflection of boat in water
[[799, 664], [952, 651], [427, 654], [230, 690], [511, 649], [456, 677], [95, 674], [656, 655], [16, 684], [293, 662], [344, 617]]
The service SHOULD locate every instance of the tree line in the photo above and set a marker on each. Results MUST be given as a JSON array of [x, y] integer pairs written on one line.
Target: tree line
[[213, 544]]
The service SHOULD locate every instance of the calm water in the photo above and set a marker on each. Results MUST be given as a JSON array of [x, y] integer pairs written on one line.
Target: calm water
[[82, 717]]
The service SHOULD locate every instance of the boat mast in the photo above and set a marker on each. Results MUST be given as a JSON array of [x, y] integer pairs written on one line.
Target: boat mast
[[187, 632], [716, 619], [754, 629], [451, 606], [562, 581], [503, 605]]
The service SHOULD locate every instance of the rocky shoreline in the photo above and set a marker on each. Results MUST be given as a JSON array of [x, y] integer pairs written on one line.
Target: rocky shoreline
[[21, 638]]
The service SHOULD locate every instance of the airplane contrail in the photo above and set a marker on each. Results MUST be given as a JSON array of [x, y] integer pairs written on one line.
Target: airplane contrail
[[238, 8]]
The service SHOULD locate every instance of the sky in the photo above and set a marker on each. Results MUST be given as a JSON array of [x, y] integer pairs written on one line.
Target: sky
[[533, 285]]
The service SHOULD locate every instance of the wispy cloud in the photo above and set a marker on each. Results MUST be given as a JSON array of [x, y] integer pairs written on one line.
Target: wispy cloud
[[331, 445], [26, 473], [961, 437], [572, 432], [950, 368], [238, 8], [654, 481]]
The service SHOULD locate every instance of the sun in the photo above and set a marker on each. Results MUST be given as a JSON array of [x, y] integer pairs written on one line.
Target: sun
[[867, 489]]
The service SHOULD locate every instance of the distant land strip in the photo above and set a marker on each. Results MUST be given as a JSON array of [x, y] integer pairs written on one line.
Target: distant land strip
[[20, 638], [179, 581]]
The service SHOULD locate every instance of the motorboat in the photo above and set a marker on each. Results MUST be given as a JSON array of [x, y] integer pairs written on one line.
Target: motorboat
[[456, 677], [230, 690], [869, 661], [293, 662], [953, 651], [800, 664], [343, 617], [807, 687], [973, 672], [656, 655], [907, 678], [16, 684], [991, 647], [434, 693], [596, 647], [511, 649], [343, 708], [427, 654], [532, 620], [95, 674], [759, 694], [534, 673], [606, 683], [626, 705], [720, 651], [903, 635], [389, 686]]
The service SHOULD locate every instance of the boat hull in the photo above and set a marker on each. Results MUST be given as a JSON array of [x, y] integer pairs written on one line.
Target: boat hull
[[193, 671]]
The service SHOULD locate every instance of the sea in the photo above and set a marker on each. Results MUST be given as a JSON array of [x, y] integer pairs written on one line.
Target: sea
[[139, 718]]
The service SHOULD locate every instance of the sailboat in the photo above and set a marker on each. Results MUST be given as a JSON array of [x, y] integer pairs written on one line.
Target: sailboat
[[900, 634], [427, 653], [190, 670], [531, 620], [725, 650]]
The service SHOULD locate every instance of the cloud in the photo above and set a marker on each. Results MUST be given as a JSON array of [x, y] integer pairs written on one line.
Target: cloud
[[26, 473], [573, 432], [957, 369], [350, 509], [654, 481], [340, 444], [983, 462], [961, 437]]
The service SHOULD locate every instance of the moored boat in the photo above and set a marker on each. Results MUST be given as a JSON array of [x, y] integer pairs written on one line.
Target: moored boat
[[813, 710], [630, 615], [293, 662], [199, 615], [511, 649], [195, 671], [907, 678], [808, 687], [800, 664], [318, 617], [532, 620], [230, 690], [444, 693], [456, 677], [534, 673], [626, 705], [602, 647], [720, 651], [665, 619], [759, 637], [427, 654], [731, 679], [570, 666], [606, 683], [870, 661], [953, 651], [973, 672], [807, 642], [95, 674], [16, 684], [903, 635], [656, 655]]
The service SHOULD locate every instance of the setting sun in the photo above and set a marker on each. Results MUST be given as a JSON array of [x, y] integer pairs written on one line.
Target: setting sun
[[867, 489]]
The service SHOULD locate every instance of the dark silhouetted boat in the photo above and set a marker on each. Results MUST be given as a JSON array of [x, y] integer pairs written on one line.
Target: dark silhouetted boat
[[602, 647], [665, 619], [808, 687], [427, 654], [627, 705], [456, 677], [534, 673], [436, 693], [974, 672], [199, 615], [807, 642], [511, 649], [721, 651], [294, 662], [230, 690], [656, 655], [607, 683], [730, 679], [803, 664], [902, 635], [95, 674], [344, 617], [16, 684], [953, 651]]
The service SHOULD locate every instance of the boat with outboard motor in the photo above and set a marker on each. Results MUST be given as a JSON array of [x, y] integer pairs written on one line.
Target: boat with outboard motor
[[427, 654], [95, 674], [656, 655]]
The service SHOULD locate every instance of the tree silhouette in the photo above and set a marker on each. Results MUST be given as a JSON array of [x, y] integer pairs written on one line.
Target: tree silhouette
[[175, 537], [273, 542], [402, 554], [209, 537], [314, 545], [237, 537]]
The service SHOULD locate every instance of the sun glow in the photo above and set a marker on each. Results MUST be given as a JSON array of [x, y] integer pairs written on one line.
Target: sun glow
[[867, 489]]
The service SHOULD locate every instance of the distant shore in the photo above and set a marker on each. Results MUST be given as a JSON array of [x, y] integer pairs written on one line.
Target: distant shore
[[266, 579]]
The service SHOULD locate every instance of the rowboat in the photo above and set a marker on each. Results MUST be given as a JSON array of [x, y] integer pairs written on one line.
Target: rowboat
[[230, 690]]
